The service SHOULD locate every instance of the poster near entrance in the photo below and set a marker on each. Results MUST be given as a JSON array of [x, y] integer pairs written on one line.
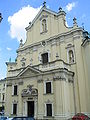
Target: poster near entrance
[[30, 108]]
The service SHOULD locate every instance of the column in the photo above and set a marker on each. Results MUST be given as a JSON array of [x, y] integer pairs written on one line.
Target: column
[[35, 108], [25, 108]]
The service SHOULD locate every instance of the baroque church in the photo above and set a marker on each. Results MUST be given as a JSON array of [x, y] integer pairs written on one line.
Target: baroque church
[[50, 78]]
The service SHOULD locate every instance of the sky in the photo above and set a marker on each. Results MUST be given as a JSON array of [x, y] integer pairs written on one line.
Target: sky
[[18, 13]]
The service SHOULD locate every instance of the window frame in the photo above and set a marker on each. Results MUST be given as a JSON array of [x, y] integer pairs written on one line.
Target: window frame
[[46, 109], [45, 91], [14, 110], [3, 97], [70, 47], [48, 88], [45, 61], [48, 112], [13, 90], [71, 56], [44, 25]]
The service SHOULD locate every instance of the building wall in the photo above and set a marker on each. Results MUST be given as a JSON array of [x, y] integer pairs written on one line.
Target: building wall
[[2, 94], [86, 57], [70, 92]]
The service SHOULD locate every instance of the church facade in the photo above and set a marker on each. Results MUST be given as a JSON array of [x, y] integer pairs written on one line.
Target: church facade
[[50, 77]]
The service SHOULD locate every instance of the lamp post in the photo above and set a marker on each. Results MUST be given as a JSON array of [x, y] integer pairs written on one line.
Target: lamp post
[[1, 17]]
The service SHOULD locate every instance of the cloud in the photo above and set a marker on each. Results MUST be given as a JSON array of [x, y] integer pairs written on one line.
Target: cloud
[[20, 20], [83, 16], [70, 6], [9, 49], [66, 24]]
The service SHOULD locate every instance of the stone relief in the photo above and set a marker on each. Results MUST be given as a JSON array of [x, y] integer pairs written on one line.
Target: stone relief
[[30, 91]]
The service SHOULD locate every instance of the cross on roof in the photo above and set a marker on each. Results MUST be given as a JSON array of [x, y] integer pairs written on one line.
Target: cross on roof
[[44, 4], [60, 8]]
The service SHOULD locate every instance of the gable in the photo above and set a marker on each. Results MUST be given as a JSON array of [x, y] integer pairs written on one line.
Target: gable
[[29, 71], [53, 20]]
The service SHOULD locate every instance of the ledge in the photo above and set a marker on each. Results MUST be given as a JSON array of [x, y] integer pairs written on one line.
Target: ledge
[[48, 93]]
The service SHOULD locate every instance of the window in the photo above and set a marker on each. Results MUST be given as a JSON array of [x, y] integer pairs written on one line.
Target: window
[[15, 109], [0, 96], [15, 90], [44, 58], [3, 97], [49, 109], [44, 25], [48, 87], [71, 56]]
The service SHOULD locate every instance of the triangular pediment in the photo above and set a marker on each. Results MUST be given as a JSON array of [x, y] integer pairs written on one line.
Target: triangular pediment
[[29, 71]]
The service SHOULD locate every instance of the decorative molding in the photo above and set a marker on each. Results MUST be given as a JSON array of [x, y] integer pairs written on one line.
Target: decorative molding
[[14, 101], [59, 78], [60, 38], [69, 46], [48, 102], [30, 91], [43, 16], [34, 49], [9, 84], [40, 81], [76, 37], [20, 83], [43, 43]]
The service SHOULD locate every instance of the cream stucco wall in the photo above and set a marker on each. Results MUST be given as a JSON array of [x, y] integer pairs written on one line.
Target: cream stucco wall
[[70, 81]]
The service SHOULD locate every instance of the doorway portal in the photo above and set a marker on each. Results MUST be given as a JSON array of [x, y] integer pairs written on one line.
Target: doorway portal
[[30, 108]]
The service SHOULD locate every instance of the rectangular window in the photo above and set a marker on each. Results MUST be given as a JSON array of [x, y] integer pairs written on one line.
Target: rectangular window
[[0, 96], [44, 58], [15, 89], [14, 109], [3, 97], [49, 109], [48, 87]]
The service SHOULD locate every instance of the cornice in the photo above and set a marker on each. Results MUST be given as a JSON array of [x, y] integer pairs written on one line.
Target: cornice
[[10, 63], [85, 42], [70, 32], [62, 70]]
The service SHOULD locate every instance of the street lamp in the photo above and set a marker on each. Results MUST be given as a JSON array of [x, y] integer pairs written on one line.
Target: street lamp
[[1, 17]]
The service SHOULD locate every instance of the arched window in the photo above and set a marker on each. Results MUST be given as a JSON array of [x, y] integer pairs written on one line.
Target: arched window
[[71, 56], [44, 25]]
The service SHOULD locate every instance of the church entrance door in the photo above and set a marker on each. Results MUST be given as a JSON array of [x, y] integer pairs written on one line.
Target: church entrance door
[[30, 108]]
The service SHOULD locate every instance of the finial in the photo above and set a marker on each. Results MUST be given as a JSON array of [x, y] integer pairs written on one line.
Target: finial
[[44, 4], [30, 23], [10, 59], [21, 42], [83, 26], [1, 17], [74, 21], [60, 9]]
